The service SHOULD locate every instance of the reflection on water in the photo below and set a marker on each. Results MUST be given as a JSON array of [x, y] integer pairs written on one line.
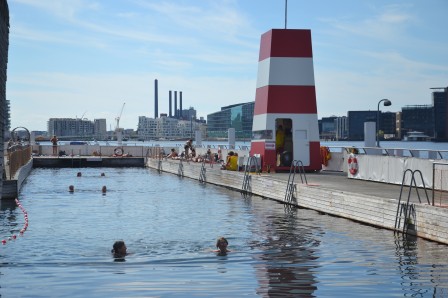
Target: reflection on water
[[170, 226]]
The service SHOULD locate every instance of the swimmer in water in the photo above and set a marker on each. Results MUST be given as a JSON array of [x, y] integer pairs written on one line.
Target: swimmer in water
[[104, 189], [119, 249], [71, 188], [222, 244], [79, 174]]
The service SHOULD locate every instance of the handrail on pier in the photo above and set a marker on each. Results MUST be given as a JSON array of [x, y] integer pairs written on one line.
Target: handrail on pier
[[247, 186], [407, 207]]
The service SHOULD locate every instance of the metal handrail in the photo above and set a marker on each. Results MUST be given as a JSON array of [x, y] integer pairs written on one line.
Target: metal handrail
[[290, 186], [180, 170], [247, 187], [407, 209], [202, 177]]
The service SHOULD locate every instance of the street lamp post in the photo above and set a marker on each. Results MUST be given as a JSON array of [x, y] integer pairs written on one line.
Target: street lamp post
[[191, 126], [386, 104]]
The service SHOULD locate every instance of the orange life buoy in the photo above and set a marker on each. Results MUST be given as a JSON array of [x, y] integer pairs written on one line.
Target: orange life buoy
[[325, 155], [352, 164]]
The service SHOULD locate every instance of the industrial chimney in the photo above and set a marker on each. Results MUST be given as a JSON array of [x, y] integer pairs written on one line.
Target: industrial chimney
[[180, 104], [156, 99], [175, 105], [170, 105]]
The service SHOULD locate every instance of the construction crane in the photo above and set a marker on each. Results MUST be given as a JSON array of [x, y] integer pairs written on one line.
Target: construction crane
[[117, 128]]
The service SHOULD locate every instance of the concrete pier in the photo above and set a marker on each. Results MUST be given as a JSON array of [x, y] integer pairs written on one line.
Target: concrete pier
[[367, 202]]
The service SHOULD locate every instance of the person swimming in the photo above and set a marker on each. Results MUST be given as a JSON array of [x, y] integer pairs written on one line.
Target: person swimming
[[222, 244], [119, 249]]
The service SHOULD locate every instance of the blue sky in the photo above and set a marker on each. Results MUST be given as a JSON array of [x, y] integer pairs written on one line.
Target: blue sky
[[69, 58]]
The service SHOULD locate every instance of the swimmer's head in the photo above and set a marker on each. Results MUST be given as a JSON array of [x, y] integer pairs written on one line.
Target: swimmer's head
[[119, 249], [222, 244], [71, 188], [102, 174], [79, 174], [104, 189]]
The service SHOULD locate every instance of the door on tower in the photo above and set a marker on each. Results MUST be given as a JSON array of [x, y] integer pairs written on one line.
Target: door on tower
[[284, 143]]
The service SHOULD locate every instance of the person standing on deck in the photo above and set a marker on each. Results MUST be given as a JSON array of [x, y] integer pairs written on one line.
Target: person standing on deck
[[188, 146], [54, 141], [279, 143]]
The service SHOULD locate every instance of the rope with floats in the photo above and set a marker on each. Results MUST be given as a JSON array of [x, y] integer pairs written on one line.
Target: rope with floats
[[25, 225]]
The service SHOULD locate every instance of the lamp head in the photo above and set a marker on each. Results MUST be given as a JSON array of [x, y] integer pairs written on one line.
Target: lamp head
[[387, 102]]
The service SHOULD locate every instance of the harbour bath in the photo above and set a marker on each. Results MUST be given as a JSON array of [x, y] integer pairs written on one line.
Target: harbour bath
[[170, 225]]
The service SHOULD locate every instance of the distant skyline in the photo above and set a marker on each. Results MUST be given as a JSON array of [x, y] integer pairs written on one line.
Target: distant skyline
[[69, 58]]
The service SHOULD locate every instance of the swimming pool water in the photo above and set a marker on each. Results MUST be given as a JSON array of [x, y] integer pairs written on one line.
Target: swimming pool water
[[170, 225]]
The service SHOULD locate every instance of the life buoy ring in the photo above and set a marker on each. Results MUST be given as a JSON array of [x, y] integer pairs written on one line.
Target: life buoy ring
[[352, 164], [118, 151], [325, 155]]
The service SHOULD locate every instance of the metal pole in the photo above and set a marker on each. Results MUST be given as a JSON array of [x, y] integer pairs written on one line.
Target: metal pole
[[378, 125], [286, 12]]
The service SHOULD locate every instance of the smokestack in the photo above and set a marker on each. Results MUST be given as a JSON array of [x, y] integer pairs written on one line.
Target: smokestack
[[175, 104], [180, 104], [156, 99], [171, 115]]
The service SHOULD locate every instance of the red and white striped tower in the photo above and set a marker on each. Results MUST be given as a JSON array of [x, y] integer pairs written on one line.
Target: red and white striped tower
[[286, 95]]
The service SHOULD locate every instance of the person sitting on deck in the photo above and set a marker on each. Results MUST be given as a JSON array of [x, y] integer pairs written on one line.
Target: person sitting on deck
[[173, 154], [232, 162], [119, 249]]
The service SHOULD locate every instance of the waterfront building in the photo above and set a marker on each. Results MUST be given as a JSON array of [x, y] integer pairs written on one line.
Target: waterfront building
[[356, 121], [440, 103], [237, 116], [398, 124], [70, 127], [327, 128], [4, 104], [168, 128], [188, 114], [341, 128], [388, 124], [7, 126], [100, 129], [418, 118]]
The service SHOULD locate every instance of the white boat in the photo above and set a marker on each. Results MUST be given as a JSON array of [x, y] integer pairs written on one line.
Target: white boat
[[416, 136]]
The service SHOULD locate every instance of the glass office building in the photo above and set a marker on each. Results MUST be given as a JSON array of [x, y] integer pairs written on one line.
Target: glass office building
[[238, 116], [440, 103], [418, 118]]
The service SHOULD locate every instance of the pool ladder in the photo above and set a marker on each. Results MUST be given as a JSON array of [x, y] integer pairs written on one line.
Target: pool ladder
[[290, 186], [180, 170], [202, 177], [159, 165], [246, 188], [406, 211]]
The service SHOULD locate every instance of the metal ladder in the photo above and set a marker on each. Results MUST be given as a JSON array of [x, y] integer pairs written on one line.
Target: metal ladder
[[246, 188], [407, 209], [159, 165], [290, 186], [180, 170], [202, 177]]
